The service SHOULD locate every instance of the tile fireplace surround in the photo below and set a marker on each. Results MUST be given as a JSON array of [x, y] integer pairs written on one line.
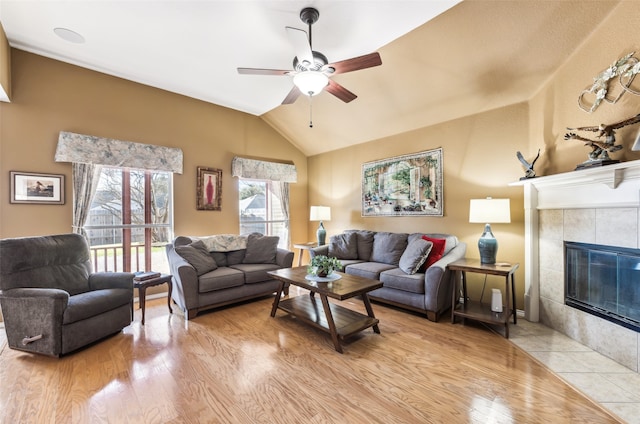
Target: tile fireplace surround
[[597, 206]]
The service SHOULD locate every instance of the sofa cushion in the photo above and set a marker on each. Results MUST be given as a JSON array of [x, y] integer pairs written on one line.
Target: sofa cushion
[[197, 255], [89, 304], [388, 247], [415, 255], [256, 273], [235, 257], [368, 269], [220, 258], [221, 278], [261, 249], [437, 251], [344, 246], [364, 239], [399, 280]]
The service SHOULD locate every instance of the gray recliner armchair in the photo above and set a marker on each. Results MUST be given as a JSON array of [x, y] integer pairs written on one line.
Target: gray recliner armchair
[[51, 301]]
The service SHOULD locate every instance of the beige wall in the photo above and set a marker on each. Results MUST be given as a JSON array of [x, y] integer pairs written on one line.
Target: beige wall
[[480, 150], [5, 65], [478, 161], [555, 107], [50, 96]]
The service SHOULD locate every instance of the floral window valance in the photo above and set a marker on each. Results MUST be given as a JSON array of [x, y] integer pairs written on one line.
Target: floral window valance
[[81, 148], [263, 170]]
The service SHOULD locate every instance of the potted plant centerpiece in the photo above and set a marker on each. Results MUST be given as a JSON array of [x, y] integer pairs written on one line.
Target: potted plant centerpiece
[[322, 266]]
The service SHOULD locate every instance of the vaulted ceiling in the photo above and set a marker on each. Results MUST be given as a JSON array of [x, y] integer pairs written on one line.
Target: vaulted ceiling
[[441, 60]]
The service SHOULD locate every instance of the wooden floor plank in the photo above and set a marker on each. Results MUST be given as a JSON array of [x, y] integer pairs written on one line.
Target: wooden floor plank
[[239, 365]]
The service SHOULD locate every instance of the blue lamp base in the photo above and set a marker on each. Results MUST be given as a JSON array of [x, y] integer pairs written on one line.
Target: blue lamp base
[[321, 234], [488, 246]]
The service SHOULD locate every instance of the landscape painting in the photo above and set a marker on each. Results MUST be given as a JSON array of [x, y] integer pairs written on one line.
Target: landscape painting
[[409, 185]]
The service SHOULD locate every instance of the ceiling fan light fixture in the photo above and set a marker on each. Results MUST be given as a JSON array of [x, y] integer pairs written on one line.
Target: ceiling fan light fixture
[[310, 82]]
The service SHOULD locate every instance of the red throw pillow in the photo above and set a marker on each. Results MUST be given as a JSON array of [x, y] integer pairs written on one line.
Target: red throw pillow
[[436, 252]]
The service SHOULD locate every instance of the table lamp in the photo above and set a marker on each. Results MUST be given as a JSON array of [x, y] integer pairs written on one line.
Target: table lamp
[[320, 213], [489, 211]]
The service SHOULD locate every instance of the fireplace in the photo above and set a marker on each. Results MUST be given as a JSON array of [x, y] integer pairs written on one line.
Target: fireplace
[[597, 207], [604, 281]]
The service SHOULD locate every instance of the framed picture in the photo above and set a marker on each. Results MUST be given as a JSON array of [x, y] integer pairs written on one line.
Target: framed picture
[[409, 185], [32, 187], [209, 189]]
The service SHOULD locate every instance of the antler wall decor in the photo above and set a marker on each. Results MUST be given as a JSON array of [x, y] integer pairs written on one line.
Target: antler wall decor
[[625, 69]]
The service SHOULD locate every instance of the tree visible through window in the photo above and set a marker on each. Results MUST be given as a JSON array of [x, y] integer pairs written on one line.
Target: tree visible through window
[[130, 220], [262, 210]]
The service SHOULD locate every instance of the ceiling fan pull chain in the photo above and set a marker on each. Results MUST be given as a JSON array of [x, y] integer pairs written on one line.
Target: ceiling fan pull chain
[[310, 111]]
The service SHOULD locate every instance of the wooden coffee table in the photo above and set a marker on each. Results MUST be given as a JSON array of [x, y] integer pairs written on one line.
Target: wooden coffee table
[[338, 321]]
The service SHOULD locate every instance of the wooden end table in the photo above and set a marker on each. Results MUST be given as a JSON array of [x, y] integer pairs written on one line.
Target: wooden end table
[[338, 321], [142, 286], [302, 247], [477, 310]]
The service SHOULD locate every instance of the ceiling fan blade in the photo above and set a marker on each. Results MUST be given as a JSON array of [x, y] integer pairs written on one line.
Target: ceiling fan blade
[[292, 96], [301, 46], [258, 71], [355, 63], [340, 92]]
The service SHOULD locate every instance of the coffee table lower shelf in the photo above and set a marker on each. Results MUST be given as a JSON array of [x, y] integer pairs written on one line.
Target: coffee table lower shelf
[[310, 310]]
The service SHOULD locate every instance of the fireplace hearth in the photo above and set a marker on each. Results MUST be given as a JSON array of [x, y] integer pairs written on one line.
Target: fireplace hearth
[[604, 281]]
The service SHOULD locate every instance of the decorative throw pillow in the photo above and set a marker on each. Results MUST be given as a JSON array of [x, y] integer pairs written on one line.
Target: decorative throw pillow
[[436, 251], [365, 243], [197, 255], [261, 249], [415, 255], [344, 246], [388, 247]]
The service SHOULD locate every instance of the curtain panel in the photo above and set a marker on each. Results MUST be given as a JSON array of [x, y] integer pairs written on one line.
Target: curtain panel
[[263, 170], [81, 148]]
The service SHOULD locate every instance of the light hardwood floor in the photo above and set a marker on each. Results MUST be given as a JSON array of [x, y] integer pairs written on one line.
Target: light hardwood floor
[[239, 365]]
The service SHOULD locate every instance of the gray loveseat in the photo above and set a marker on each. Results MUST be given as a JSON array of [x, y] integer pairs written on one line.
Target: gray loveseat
[[412, 268], [209, 272], [51, 301]]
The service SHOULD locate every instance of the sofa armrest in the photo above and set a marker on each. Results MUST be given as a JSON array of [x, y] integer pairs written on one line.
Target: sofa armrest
[[33, 318], [111, 280], [320, 250], [185, 281], [284, 258], [437, 280]]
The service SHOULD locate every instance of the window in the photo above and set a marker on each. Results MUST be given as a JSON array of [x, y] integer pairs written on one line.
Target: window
[[264, 208], [130, 220]]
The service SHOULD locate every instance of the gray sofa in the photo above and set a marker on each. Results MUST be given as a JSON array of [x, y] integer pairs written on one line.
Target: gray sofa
[[209, 272], [412, 269], [51, 301]]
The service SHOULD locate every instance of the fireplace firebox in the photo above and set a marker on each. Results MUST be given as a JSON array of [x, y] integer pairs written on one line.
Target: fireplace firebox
[[604, 281]]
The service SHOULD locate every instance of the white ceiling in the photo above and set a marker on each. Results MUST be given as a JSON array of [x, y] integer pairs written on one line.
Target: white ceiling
[[438, 63]]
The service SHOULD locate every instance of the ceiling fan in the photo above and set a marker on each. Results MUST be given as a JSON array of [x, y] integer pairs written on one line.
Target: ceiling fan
[[311, 69]]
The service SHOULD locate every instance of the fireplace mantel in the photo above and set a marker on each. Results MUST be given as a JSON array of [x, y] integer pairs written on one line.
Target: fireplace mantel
[[610, 186]]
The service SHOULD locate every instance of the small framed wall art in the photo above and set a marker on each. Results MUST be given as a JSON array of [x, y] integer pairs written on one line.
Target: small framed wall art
[[36, 188], [209, 189]]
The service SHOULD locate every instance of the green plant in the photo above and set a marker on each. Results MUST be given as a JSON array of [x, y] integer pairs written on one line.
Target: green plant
[[323, 265]]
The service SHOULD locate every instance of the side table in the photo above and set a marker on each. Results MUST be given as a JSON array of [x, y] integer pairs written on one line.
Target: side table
[[478, 310], [142, 286], [302, 247]]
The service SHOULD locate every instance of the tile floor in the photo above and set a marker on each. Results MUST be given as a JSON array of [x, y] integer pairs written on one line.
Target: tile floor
[[615, 387]]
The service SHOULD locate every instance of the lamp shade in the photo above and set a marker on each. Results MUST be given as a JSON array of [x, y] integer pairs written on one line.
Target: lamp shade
[[320, 213], [310, 83], [489, 211]]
